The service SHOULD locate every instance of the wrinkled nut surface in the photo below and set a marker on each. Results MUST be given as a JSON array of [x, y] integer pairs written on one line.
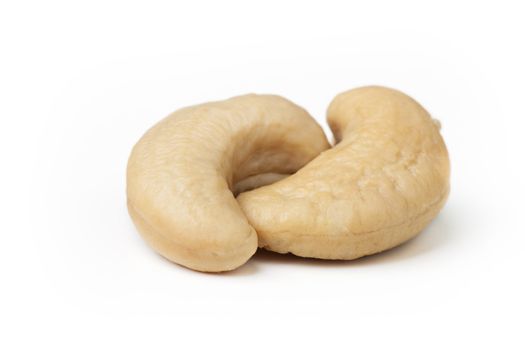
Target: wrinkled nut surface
[[181, 174], [380, 185]]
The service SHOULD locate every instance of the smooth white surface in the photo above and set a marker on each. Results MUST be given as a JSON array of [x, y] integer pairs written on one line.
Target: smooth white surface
[[80, 83]]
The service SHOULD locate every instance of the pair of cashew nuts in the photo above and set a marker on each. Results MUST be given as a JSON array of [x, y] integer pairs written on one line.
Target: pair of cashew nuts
[[384, 180]]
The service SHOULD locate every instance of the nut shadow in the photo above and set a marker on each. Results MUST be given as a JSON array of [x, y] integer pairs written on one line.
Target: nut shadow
[[440, 233]]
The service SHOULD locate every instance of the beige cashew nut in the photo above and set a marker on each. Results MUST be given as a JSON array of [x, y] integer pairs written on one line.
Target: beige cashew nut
[[181, 174], [380, 185]]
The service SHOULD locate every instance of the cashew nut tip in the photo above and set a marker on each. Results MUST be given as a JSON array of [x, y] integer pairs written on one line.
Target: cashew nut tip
[[182, 172], [385, 179]]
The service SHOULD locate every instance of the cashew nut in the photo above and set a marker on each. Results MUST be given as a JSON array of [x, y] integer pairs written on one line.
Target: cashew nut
[[380, 185], [181, 173]]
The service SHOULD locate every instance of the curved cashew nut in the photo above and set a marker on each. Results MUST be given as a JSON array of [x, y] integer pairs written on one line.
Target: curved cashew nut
[[383, 182], [181, 172]]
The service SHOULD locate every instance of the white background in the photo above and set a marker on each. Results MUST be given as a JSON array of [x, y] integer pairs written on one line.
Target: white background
[[81, 81]]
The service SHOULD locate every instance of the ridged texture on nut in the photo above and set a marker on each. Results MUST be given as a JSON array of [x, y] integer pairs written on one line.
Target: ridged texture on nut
[[383, 182], [181, 172]]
